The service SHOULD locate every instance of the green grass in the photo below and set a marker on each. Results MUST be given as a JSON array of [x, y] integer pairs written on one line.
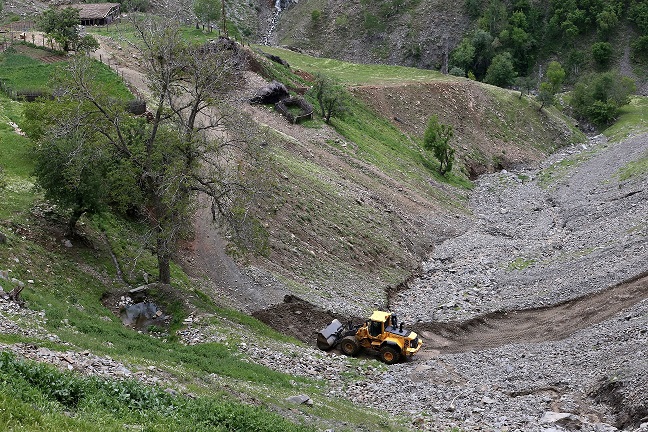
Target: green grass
[[633, 119], [634, 169], [520, 263], [382, 144], [354, 74], [23, 73], [15, 160], [15, 149], [18, 60], [36, 397], [126, 32]]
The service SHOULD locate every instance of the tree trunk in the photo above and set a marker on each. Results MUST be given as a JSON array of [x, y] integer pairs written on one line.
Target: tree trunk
[[164, 262], [74, 218], [14, 295]]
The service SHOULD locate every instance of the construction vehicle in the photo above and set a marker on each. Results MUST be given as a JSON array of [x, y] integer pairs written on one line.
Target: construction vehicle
[[380, 334]]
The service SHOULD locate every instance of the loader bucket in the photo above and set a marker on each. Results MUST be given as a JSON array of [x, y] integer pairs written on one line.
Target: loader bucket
[[327, 338]]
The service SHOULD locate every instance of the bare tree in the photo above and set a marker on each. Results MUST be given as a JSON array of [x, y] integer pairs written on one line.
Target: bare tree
[[184, 147]]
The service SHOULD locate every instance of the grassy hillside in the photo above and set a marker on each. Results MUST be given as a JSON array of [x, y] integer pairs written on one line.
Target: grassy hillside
[[356, 205], [74, 287]]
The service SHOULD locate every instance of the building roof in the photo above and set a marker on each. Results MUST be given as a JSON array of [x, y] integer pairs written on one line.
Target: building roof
[[95, 10]]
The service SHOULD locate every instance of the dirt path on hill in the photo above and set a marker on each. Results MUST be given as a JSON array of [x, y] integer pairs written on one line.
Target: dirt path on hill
[[532, 325], [206, 258]]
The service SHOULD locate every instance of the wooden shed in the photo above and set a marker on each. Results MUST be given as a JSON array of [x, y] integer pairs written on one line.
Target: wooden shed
[[97, 13]]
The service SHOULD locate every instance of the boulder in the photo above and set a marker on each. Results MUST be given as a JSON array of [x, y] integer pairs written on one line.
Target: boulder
[[301, 399], [568, 420], [270, 94]]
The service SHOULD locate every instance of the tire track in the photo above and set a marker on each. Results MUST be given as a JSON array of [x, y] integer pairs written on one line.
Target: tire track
[[548, 323]]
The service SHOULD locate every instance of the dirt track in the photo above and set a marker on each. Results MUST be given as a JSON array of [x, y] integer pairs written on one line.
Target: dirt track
[[532, 325], [303, 320]]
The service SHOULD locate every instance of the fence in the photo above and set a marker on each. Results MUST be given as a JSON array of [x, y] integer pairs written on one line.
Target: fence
[[295, 109]]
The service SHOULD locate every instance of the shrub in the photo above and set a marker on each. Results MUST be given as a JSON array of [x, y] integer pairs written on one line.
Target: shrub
[[598, 97], [437, 137], [638, 13], [602, 53], [457, 71], [373, 24], [640, 49], [501, 71]]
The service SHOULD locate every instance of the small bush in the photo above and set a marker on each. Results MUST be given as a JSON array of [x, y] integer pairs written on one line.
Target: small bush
[[602, 53], [457, 71], [136, 106], [373, 24], [316, 14]]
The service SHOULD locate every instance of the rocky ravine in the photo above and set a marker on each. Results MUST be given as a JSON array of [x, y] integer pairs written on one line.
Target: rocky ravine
[[566, 231], [528, 323], [541, 237]]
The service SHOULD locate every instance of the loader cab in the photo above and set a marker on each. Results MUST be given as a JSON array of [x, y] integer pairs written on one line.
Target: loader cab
[[378, 322], [375, 328]]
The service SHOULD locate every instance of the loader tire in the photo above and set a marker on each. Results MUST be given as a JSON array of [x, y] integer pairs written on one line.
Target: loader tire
[[389, 355], [349, 346]]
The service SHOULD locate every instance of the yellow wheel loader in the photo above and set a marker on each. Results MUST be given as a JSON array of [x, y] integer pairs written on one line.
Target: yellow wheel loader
[[380, 334]]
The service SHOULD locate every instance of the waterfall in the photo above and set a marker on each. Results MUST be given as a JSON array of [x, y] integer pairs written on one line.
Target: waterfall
[[279, 6]]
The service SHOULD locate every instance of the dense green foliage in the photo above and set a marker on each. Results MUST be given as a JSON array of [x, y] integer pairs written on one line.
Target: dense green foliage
[[602, 54], [71, 179], [62, 25], [501, 71], [551, 86], [598, 97], [528, 32], [156, 165]]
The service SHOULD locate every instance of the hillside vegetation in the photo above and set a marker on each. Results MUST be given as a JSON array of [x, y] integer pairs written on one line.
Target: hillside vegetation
[[465, 37], [351, 209]]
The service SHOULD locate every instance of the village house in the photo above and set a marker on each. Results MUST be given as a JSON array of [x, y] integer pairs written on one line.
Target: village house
[[97, 13]]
